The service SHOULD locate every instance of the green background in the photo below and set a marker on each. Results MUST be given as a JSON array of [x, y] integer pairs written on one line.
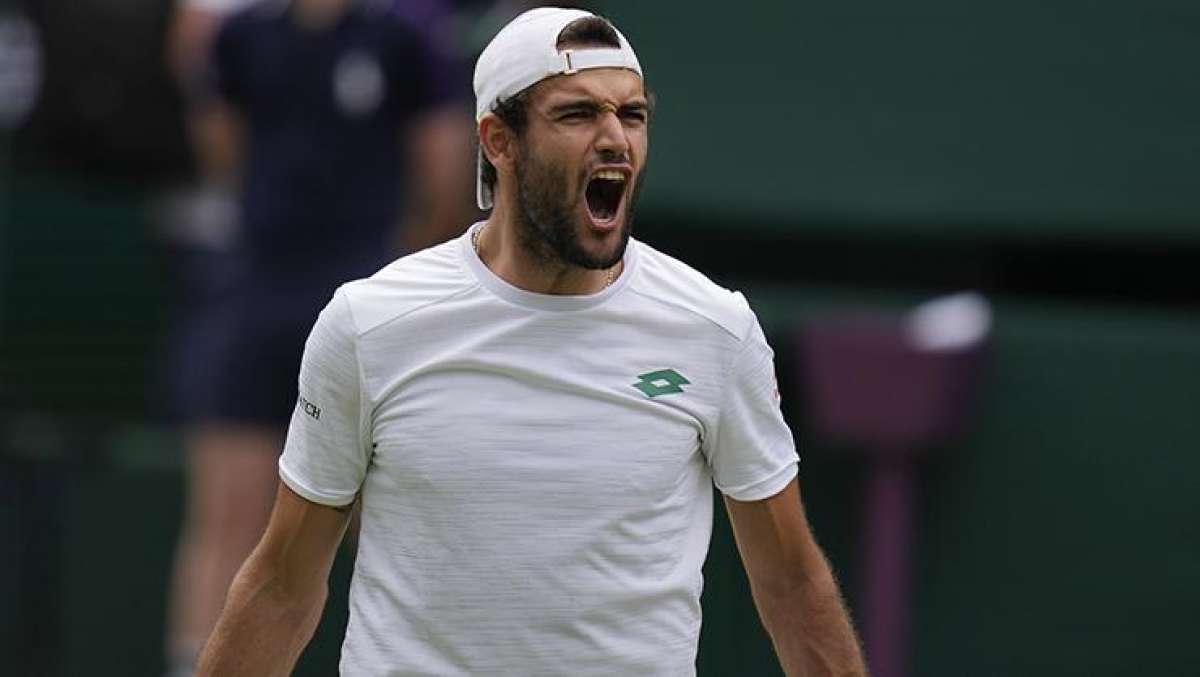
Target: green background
[[898, 144], [1027, 118]]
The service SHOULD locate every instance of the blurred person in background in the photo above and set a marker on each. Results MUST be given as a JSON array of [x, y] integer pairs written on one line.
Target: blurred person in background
[[339, 124], [533, 416], [200, 226]]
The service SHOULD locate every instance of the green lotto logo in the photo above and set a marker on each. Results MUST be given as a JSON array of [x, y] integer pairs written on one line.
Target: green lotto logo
[[661, 382]]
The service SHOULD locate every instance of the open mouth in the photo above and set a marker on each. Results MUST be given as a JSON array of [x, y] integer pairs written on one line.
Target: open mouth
[[604, 193]]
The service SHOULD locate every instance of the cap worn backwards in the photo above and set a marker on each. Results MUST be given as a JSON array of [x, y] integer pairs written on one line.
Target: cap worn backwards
[[524, 53]]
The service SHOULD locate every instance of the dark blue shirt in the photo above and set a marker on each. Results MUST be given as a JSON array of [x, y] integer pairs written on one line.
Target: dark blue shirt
[[326, 112]]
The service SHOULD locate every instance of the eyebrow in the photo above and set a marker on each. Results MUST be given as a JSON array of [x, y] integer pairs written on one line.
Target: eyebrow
[[591, 106]]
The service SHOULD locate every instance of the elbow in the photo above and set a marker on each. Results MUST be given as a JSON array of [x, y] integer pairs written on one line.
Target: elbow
[[791, 581], [293, 599], [779, 598]]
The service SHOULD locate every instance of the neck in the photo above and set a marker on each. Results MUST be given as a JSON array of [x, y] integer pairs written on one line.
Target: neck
[[501, 249]]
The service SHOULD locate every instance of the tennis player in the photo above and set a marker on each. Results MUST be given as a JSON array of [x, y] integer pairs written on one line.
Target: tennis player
[[533, 416]]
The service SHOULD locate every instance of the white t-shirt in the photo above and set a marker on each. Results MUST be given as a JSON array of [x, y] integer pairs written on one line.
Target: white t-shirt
[[536, 471]]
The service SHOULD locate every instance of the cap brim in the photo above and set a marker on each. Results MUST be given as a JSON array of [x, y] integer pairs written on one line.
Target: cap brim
[[483, 194]]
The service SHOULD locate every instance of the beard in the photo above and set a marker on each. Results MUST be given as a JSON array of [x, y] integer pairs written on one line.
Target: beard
[[547, 216]]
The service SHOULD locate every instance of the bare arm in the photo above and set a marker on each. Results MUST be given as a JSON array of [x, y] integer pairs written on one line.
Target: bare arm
[[214, 127], [188, 37], [277, 597], [793, 586]]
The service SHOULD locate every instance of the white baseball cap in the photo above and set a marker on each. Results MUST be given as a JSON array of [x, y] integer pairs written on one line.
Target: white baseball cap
[[524, 53]]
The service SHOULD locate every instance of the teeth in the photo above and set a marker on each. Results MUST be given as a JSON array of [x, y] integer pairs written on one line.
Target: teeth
[[610, 175]]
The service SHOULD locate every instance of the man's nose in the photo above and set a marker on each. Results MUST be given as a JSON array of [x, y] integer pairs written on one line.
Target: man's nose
[[610, 137]]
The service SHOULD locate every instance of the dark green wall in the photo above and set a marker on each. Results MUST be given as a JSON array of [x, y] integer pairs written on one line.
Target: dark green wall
[[83, 296], [1024, 118]]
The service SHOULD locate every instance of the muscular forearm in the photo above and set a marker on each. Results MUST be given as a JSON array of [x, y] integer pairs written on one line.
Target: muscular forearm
[[263, 628], [810, 627]]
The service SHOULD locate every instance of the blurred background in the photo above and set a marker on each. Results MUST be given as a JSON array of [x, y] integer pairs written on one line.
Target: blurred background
[[1023, 501]]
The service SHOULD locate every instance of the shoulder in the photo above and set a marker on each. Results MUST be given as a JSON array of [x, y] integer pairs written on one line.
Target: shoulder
[[407, 285], [673, 283], [247, 18]]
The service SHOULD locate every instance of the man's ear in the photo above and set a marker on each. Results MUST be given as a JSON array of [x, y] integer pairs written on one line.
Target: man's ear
[[498, 142]]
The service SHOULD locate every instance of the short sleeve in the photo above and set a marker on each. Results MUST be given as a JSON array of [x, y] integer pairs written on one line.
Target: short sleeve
[[444, 74], [752, 453], [428, 73], [325, 457]]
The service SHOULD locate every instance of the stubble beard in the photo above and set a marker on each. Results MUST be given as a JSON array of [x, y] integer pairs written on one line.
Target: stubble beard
[[547, 221]]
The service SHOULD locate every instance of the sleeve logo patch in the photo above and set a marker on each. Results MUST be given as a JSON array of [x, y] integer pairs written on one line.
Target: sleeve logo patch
[[309, 408], [661, 382]]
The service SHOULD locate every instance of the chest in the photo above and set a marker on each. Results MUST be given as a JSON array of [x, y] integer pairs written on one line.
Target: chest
[[342, 74], [557, 404]]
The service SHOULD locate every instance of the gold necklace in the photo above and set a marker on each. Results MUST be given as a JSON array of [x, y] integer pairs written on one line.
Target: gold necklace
[[608, 279]]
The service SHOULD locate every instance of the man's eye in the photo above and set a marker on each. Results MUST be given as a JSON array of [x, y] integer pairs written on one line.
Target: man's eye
[[636, 115], [576, 115]]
